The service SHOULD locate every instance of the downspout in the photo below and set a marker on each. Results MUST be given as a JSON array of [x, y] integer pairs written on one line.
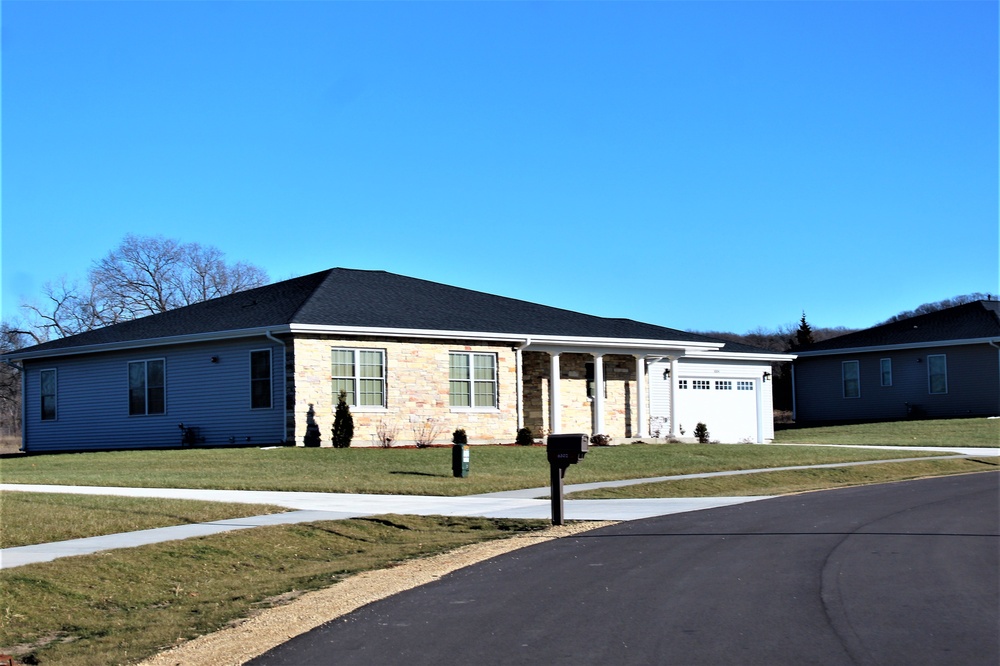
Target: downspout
[[795, 404], [519, 372], [284, 379], [993, 344]]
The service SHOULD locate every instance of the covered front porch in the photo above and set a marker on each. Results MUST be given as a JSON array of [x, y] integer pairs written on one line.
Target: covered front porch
[[597, 391]]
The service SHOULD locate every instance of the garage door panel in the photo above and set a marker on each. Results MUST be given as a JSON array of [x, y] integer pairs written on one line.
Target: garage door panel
[[727, 406]]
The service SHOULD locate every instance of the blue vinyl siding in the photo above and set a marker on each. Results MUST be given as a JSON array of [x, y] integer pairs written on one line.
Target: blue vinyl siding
[[93, 399], [973, 385]]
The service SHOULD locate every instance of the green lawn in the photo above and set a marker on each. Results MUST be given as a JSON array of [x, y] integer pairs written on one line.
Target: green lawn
[[30, 518], [400, 471], [940, 432], [793, 481]]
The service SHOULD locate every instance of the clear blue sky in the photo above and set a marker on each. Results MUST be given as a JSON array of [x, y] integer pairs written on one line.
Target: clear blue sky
[[704, 166]]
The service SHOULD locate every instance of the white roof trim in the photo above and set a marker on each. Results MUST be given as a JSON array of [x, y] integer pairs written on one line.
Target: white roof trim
[[560, 343], [911, 345], [775, 357], [149, 342], [535, 342]]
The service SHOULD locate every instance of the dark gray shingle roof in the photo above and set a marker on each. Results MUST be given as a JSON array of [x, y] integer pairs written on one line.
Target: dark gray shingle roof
[[971, 321], [373, 300]]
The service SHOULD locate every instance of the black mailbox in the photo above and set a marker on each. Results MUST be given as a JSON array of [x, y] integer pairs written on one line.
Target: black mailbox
[[566, 449]]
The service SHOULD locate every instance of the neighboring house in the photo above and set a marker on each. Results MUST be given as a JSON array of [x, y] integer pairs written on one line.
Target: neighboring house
[[941, 364], [260, 366]]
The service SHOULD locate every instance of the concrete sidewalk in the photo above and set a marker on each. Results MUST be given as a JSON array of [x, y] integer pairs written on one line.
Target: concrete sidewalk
[[309, 506]]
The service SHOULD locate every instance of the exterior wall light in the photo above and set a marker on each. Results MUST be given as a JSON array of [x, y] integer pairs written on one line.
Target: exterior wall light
[[767, 375]]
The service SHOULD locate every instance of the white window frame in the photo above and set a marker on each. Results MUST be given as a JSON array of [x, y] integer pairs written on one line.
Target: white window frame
[[270, 378], [844, 378], [357, 378], [145, 373], [682, 384], [54, 394], [723, 385], [885, 371], [744, 385], [701, 384], [943, 373], [472, 382]]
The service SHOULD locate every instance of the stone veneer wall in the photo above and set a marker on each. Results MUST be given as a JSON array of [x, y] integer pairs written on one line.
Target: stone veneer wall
[[620, 405], [416, 390]]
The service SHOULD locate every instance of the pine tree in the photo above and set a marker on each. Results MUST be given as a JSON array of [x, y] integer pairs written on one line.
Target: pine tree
[[343, 423], [804, 334]]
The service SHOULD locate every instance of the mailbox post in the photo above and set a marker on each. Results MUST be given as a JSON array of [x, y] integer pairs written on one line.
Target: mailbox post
[[563, 451]]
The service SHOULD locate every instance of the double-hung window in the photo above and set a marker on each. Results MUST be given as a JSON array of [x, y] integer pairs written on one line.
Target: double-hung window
[[49, 381], [885, 367], [472, 380], [937, 373], [260, 379], [146, 387], [851, 375], [360, 373]]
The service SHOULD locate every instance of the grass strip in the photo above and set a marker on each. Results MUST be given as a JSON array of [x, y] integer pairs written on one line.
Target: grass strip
[[792, 481], [977, 432], [125, 605], [30, 518], [401, 471]]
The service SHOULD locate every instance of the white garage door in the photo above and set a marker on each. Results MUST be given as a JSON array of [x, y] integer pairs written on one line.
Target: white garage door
[[727, 406]]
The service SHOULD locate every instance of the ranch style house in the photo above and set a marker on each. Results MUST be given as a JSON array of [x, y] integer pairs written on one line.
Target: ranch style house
[[261, 366], [938, 365]]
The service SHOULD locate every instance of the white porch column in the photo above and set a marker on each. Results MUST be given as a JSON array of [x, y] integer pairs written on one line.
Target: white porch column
[[519, 399], [555, 404], [673, 397], [599, 395], [640, 384]]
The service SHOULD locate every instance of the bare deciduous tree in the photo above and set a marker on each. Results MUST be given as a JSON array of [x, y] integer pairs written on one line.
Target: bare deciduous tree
[[144, 275], [10, 382]]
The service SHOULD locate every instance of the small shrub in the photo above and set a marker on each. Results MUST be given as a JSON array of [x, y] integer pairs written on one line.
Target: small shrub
[[425, 434], [701, 433], [343, 423], [600, 440], [459, 437], [385, 433], [524, 437]]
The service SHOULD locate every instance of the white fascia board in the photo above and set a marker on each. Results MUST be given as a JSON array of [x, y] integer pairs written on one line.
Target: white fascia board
[[148, 342], [912, 345], [775, 357], [529, 341]]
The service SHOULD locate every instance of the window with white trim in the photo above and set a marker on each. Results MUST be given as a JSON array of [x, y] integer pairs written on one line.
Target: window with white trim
[[701, 384], [147, 387], [260, 379], [937, 374], [885, 370], [851, 378], [682, 383], [472, 380], [723, 385], [360, 373], [48, 389], [744, 385]]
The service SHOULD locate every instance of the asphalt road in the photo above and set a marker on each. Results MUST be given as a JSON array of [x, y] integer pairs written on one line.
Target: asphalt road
[[902, 573]]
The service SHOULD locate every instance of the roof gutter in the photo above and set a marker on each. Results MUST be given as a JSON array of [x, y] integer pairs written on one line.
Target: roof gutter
[[898, 347], [284, 377]]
